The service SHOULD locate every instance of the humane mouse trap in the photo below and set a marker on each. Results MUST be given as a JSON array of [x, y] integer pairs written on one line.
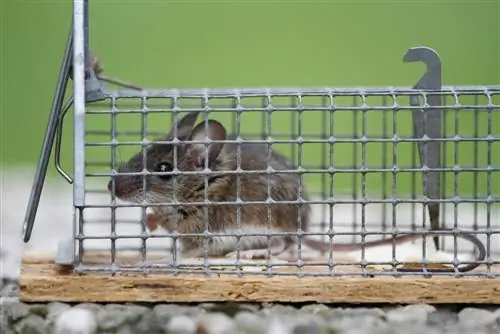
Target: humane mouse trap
[[314, 144]]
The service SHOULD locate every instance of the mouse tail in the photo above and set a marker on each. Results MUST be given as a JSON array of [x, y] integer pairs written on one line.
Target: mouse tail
[[325, 246]]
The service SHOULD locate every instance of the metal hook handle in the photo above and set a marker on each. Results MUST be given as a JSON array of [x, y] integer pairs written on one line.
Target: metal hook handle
[[57, 158], [48, 142], [428, 123]]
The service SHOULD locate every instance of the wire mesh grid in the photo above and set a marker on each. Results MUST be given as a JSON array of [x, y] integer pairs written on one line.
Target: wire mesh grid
[[352, 174]]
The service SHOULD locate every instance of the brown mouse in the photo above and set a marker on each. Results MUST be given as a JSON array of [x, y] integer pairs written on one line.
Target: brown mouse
[[259, 218]]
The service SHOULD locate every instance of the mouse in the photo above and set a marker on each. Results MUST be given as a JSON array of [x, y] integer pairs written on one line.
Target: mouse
[[176, 174]]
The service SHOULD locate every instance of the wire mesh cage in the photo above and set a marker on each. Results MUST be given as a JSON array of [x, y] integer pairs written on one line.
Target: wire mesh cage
[[278, 181], [311, 128]]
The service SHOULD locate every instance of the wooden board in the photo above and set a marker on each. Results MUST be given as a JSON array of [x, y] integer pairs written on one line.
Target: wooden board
[[43, 281]]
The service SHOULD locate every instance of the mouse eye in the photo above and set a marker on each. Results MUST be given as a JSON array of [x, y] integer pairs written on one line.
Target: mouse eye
[[164, 167]]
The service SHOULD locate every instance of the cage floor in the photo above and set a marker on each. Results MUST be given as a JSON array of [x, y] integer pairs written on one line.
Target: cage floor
[[43, 281]]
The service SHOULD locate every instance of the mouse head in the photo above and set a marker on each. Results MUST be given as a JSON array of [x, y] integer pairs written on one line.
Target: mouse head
[[161, 158]]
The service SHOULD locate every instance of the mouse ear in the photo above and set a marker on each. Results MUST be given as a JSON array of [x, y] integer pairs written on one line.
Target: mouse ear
[[200, 151], [184, 125]]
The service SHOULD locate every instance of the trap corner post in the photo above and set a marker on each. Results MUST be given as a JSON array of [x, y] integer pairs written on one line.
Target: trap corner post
[[427, 125], [80, 72], [79, 58]]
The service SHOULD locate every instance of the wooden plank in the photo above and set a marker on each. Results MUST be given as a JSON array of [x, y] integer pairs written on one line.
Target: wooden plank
[[43, 281]]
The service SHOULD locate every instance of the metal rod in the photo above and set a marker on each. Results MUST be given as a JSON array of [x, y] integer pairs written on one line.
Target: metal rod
[[48, 142], [57, 158], [79, 65]]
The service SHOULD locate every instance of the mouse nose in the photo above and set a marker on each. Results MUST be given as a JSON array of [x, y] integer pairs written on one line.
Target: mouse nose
[[110, 186]]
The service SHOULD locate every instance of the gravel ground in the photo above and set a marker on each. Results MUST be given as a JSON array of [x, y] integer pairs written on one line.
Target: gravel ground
[[61, 318], [54, 222]]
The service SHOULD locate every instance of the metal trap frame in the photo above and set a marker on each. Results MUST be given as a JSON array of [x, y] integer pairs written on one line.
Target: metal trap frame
[[78, 273]]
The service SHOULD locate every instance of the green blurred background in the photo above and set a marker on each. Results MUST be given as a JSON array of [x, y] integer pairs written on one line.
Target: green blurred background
[[189, 44]]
